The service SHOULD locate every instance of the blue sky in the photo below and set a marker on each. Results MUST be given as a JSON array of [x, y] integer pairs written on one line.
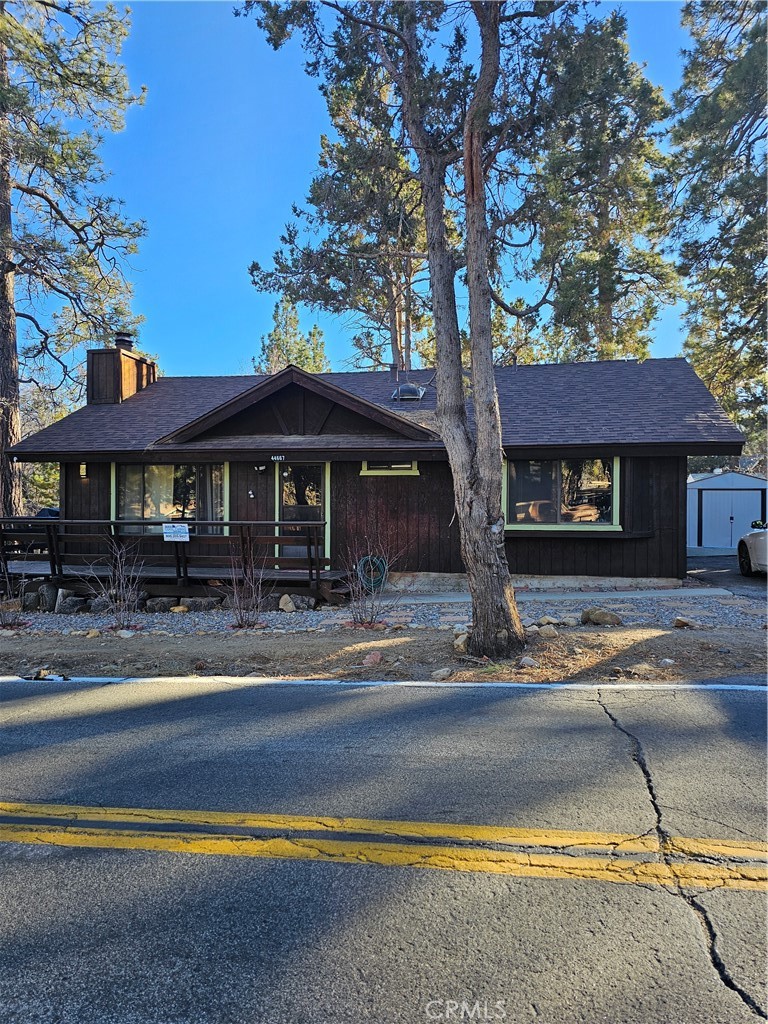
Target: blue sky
[[226, 141]]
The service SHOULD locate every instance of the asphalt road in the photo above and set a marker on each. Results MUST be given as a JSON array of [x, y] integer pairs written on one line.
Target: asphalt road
[[723, 571], [127, 929]]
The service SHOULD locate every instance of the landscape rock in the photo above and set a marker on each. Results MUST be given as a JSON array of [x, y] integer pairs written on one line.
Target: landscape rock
[[179, 609], [101, 605], [681, 622], [201, 604], [302, 602], [160, 604], [70, 605], [548, 632], [532, 630], [528, 623], [547, 620], [666, 662], [460, 643], [374, 658], [528, 663], [642, 669], [286, 604], [125, 634], [442, 674], [92, 634], [30, 602], [570, 622], [48, 592], [61, 597], [603, 617], [600, 617]]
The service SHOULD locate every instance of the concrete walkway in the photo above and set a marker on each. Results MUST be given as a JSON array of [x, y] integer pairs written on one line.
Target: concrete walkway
[[574, 595]]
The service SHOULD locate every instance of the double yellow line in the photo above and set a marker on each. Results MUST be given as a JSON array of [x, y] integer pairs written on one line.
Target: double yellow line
[[527, 853]]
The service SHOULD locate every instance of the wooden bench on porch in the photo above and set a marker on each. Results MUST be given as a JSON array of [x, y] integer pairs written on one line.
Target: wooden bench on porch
[[281, 554]]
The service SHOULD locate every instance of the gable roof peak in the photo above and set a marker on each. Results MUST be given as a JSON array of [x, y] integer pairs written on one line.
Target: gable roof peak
[[270, 384]]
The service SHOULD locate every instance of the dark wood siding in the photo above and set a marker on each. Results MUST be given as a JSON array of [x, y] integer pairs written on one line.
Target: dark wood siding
[[89, 498], [653, 512], [244, 477], [410, 514], [413, 515], [296, 411]]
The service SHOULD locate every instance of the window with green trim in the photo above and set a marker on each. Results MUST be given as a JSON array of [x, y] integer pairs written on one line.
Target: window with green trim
[[396, 468], [171, 493], [562, 492]]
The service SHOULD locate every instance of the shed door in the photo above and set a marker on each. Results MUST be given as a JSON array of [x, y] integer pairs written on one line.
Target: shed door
[[726, 516]]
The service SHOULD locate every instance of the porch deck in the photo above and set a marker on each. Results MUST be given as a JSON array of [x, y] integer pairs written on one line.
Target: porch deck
[[281, 554]]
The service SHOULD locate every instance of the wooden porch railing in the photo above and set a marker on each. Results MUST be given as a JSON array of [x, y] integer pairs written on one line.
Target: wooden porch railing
[[56, 544]]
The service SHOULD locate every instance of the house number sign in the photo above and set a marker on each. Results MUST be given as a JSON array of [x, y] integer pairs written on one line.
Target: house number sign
[[278, 458]]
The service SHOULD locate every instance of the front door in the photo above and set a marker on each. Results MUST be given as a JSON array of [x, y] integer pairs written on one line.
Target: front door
[[301, 493]]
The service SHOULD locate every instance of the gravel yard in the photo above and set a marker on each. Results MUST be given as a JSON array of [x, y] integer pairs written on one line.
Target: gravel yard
[[640, 611], [413, 641]]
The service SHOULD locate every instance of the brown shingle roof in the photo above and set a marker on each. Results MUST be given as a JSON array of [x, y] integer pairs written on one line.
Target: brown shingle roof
[[616, 404]]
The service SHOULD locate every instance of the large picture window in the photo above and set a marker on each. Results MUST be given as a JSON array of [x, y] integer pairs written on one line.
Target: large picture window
[[172, 493], [562, 492]]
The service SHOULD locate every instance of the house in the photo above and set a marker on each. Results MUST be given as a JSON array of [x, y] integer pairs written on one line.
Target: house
[[722, 507], [594, 479]]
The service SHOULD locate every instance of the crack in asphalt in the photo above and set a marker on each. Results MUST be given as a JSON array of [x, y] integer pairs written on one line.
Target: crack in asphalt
[[697, 909], [713, 821]]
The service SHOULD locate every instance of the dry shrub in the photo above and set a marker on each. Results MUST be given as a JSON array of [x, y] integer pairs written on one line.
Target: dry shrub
[[246, 589], [121, 585], [11, 606], [369, 600]]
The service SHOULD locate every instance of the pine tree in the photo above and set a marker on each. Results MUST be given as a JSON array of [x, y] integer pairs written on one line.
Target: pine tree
[[63, 239], [285, 344], [720, 139], [600, 205], [40, 480], [358, 245]]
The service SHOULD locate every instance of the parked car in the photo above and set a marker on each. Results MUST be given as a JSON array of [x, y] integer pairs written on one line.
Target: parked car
[[753, 550]]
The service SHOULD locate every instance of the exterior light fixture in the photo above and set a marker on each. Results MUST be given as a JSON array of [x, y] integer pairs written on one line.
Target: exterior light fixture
[[83, 471]]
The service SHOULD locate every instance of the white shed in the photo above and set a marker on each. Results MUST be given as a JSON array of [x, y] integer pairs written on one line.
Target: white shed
[[722, 507]]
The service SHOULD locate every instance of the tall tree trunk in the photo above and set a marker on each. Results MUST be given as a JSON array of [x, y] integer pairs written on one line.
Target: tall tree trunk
[[476, 463], [606, 345], [393, 321], [407, 315], [10, 421], [496, 623]]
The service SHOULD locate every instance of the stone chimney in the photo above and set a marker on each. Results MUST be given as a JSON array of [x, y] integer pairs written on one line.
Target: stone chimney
[[115, 374]]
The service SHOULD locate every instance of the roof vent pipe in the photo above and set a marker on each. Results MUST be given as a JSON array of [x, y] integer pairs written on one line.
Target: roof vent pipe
[[123, 340], [394, 371]]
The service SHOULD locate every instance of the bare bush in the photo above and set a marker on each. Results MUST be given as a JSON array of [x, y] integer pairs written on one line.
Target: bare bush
[[368, 563], [120, 586], [246, 587], [11, 600]]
